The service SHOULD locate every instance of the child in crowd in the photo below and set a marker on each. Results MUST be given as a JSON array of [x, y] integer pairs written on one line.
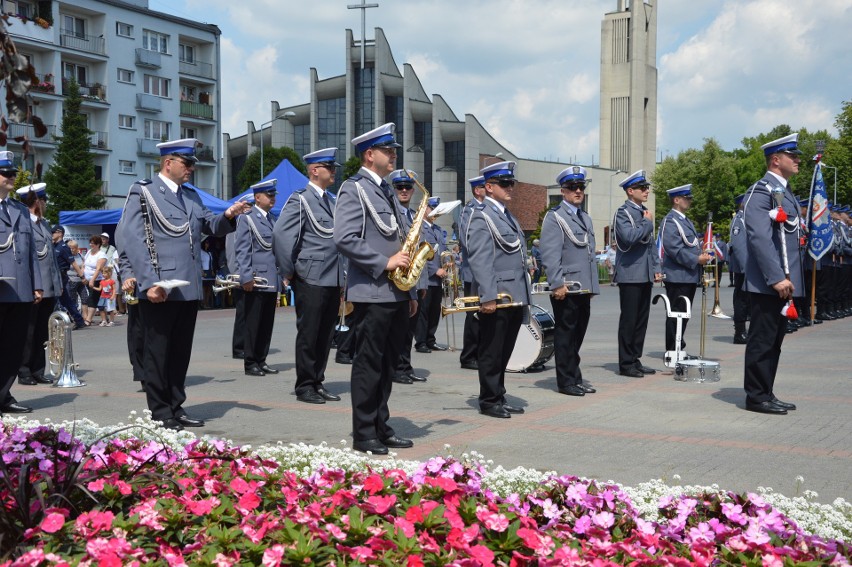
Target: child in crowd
[[106, 304]]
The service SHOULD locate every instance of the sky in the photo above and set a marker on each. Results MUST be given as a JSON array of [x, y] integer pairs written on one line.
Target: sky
[[529, 70]]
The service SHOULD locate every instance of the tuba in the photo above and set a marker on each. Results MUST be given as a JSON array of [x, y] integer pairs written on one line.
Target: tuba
[[57, 350], [418, 252]]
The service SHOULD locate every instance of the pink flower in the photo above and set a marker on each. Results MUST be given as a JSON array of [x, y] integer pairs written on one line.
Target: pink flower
[[604, 519], [755, 534], [582, 525], [335, 531], [734, 513], [482, 554], [373, 484], [541, 544], [382, 503], [405, 526], [414, 561], [249, 501], [414, 514], [492, 520], [770, 560], [448, 484], [52, 523], [239, 485], [96, 485], [202, 507], [702, 533], [361, 553], [272, 556]]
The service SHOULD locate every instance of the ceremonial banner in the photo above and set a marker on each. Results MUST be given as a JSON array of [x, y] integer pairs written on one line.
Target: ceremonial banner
[[820, 234]]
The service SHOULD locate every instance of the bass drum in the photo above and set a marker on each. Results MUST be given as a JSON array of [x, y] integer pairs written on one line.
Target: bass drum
[[534, 346]]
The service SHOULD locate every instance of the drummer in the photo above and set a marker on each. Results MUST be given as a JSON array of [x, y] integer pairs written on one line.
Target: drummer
[[568, 257]]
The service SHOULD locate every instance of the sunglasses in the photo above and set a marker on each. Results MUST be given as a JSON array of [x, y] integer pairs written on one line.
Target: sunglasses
[[186, 163], [574, 187], [642, 188], [9, 174], [404, 187], [504, 183]]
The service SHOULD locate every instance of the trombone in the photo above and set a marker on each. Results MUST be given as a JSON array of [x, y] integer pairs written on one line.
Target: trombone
[[473, 302], [232, 281], [451, 289]]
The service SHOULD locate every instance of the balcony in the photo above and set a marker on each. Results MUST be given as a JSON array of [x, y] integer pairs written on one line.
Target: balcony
[[37, 29], [45, 84], [196, 109], [18, 131], [206, 153], [82, 42], [197, 68], [98, 140], [148, 102], [147, 58], [89, 91], [146, 147]]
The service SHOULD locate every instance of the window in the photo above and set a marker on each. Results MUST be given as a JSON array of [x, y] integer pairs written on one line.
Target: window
[[76, 72], [151, 170], [188, 93], [25, 9], [157, 130], [125, 76], [153, 41], [186, 53], [124, 30], [126, 166], [127, 121], [157, 86], [188, 133], [73, 25]]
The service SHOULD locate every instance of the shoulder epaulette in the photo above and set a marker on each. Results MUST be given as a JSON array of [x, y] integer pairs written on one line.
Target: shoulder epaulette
[[144, 182], [300, 191], [479, 207], [356, 177], [556, 208]]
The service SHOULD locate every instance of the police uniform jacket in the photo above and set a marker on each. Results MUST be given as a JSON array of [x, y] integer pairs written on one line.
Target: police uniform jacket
[[253, 249], [636, 258], [464, 220], [178, 255], [18, 255], [846, 231], [434, 236], [681, 249], [568, 248], [497, 254], [363, 232], [765, 265], [303, 239], [737, 246], [124, 268], [51, 277]]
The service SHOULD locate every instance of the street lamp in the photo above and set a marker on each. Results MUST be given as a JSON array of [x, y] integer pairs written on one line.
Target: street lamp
[[610, 202], [285, 116]]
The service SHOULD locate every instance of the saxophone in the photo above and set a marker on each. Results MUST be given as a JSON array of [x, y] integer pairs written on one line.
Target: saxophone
[[419, 252]]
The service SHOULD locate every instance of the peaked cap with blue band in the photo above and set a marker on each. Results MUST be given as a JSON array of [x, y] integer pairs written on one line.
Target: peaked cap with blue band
[[433, 202], [268, 186], [402, 177], [571, 173], [477, 181], [38, 188], [7, 161], [682, 191], [789, 144], [636, 178], [327, 155], [498, 171], [383, 136], [184, 148]]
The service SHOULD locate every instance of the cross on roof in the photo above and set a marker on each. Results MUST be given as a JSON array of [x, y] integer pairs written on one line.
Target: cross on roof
[[363, 7]]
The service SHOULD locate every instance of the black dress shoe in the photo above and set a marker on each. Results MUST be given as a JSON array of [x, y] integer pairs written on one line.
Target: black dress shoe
[[342, 359], [572, 390], [15, 407], [326, 395], [415, 378], [784, 405], [187, 421], [587, 388], [495, 411], [311, 397], [824, 317], [817, 321], [791, 328], [401, 379], [172, 424], [513, 409], [26, 381], [632, 373], [42, 379], [268, 369], [373, 446], [395, 442], [238, 354], [765, 407], [645, 369], [254, 371], [423, 349], [436, 347], [470, 365]]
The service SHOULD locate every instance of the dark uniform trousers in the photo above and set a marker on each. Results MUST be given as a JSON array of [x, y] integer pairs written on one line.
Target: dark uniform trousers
[[740, 299], [379, 340], [237, 338], [572, 319], [766, 333], [429, 317], [12, 340], [498, 332], [404, 364], [316, 315], [167, 334], [635, 301], [33, 361], [135, 341], [674, 291], [346, 339], [259, 309], [470, 338]]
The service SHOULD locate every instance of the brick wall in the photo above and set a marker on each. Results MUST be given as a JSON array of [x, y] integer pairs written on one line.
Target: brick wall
[[528, 200]]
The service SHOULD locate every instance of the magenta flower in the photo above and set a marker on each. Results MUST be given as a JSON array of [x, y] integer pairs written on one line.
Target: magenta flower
[[52, 522], [272, 556]]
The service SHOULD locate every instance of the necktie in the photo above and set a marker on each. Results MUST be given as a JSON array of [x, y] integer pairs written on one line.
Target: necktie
[[179, 194], [510, 218], [326, 202], [4, 210], [410, 215], [581, 221]]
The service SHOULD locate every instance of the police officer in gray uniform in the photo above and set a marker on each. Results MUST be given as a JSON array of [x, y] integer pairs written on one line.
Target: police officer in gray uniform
[[637, 267], [683, 259], [773, 271], [31, 371], [434, 274], [160, 231], [309, 260], [737, 260], [367, 232], [498, 261], [20, 282], [255, 259], [238, 339], [568, 255], [470, 342]]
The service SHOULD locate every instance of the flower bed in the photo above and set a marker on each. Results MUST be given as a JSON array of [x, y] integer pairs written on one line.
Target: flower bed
[[144, 495]]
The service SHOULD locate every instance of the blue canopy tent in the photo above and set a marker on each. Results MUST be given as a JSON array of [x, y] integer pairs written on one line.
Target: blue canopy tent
[[112, 216], [289, 179]]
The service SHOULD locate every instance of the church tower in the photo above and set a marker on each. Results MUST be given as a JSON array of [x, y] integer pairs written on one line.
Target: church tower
[[628, 128]]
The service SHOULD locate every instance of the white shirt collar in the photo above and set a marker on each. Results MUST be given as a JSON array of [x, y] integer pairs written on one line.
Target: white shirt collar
[[500, 206], [33, 218], [629, 202], [683, 216], [375, 176], [779, 178], [169, 183], [571, 207], [319, 191], [261, 211]]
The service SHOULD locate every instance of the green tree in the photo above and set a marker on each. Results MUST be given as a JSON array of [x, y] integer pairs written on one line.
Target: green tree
[[351, 167], [838, 153], [248, 175], [71, 181], [23, 179]]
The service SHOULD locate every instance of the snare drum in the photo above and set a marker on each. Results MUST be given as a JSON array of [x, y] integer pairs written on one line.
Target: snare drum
[[534, 346]]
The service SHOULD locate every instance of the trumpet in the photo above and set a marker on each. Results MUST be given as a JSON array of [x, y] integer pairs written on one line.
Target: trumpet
[[233, 280], [574, 288], [473, 302]]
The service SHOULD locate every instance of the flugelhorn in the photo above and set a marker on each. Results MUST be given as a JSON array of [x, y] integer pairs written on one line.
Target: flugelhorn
[[473, 303], [57, 350], [232, 281], [574, 288]]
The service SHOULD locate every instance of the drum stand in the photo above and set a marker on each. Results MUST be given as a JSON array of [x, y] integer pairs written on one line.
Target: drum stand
[[688, 368]]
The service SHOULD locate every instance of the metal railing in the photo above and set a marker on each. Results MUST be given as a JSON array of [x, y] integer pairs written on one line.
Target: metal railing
[[17, 130], [148, 58], [99, 140], [148, 102], [45, 84], [197, 68], [89, 91], [83, 42], [197, 109], [206, 153], [146, 147]]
